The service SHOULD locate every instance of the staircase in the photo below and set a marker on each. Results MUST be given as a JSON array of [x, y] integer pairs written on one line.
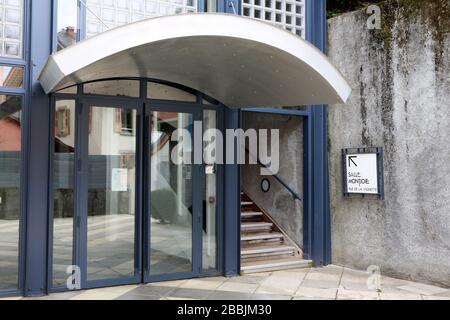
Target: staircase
[[264, 247]]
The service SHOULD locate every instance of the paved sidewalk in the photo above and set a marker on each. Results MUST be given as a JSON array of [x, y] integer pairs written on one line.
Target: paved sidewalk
[[328, 283]]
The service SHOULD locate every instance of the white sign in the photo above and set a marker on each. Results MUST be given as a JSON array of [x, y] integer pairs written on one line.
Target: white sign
[[119, 180], [362, 173]]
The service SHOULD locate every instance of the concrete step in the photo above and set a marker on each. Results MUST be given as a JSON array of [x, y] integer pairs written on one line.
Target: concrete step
[[256, 226], [251, 214], [246, 203], [249, 266], [261, 236], [266, 250]]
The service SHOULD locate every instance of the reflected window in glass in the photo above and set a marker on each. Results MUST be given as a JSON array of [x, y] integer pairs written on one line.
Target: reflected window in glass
[[66, 23], [11, 77]]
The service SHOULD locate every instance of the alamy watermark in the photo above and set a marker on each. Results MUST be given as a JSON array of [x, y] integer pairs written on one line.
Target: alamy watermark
[[235, 147], [374, 21], [374, 280], [74, 280]]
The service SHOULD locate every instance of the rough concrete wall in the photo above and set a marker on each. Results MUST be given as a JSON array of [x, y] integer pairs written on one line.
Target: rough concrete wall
[[400, 101], [278, 202]]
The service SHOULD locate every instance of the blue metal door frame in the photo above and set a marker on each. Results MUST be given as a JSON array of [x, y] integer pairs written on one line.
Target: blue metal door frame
[[320, 237]]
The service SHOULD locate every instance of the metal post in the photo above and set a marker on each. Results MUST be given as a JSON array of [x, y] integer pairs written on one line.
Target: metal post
[[38, 153], [320, 224]]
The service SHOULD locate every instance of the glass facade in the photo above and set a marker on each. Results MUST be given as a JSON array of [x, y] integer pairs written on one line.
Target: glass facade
[[102, 15], [107, 14], [11, 24]]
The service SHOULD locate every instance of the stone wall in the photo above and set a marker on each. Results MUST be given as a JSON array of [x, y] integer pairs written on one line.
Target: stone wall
[[400, 76]]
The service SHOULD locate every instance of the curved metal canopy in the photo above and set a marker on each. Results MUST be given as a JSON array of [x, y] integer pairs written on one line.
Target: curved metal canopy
[[238, 61]]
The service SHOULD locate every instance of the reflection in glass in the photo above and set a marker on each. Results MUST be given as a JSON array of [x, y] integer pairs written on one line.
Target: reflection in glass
[[115, 13], [63, 192], [211, 5], [111, 198], [165, 92], [10, 148], [11, 77], [69, 90], [67, 23], [171, 195], [11, 27], [125, 88], [210, 192]]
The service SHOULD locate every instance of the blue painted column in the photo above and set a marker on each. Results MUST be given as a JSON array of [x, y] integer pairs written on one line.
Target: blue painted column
[[232, 183], [316, 33], [38, 153]]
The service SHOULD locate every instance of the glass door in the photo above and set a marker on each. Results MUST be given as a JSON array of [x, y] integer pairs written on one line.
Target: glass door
[[109, 188], [147, 206], [173, 206]]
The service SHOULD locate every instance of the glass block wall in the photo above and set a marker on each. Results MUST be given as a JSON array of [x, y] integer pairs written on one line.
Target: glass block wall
[[104, 14], [288, 14], [11, 24]]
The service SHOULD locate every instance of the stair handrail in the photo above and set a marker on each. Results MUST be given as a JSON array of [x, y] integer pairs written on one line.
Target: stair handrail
[[295, 195]]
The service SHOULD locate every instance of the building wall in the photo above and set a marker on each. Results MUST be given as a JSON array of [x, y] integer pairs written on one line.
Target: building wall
[[278, 202], [400, 101]]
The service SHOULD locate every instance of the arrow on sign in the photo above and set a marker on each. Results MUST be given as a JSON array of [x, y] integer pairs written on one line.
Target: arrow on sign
[[350, 161]]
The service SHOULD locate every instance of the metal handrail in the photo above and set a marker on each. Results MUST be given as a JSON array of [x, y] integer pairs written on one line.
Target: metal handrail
[[284, 184]]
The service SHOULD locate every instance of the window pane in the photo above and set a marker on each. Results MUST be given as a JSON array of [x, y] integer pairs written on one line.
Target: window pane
[[63, 189], [111, 198], [104, 15], [125, 88], [11, 77], [11, 24], [10, 149], [66, 23], [287, 14], [211, 5], [210, 192], [164, 92], [171, 196]]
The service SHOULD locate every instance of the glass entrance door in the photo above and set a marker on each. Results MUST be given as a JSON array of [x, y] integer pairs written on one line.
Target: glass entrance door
[[109, 231], [173, 206], [146, 205]]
